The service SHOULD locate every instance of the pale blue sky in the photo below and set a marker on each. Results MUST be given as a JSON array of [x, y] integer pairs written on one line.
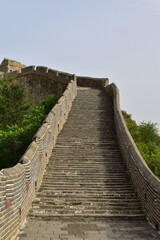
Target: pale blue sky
[[118, 39]]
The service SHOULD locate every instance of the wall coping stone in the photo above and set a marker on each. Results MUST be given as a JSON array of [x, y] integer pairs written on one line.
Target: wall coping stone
[[30, 152], [49, 118], [13, 171], [41, 131]]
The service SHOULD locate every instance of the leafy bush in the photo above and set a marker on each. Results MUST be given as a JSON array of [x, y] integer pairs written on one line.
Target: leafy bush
[[16, 134], [147, 139], [6, 80], [13, 102]]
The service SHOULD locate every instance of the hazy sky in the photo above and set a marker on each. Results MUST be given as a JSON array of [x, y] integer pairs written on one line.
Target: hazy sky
[[118, 39]]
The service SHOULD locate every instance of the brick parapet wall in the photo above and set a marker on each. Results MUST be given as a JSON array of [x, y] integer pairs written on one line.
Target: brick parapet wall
[[62, 77], [147, 186], [41, 81], [59, 76], [18, 184]]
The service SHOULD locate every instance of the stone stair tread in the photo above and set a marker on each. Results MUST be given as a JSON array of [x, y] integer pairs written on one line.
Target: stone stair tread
[[110, 216], [92, 205]]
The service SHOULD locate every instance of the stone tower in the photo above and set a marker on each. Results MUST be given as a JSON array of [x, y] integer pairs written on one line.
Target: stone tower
[[9, 65]]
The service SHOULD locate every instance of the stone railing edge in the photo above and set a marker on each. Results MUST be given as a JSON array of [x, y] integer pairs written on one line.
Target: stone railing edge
[[147, 185]]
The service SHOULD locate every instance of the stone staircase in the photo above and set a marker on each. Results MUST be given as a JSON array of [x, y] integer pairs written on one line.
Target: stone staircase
[[86, 175]]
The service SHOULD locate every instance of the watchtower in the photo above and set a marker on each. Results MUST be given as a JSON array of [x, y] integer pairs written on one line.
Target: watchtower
[[9, 65]]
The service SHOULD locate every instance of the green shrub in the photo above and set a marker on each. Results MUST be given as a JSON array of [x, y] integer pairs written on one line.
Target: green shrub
[[20, 120], [13, 102]]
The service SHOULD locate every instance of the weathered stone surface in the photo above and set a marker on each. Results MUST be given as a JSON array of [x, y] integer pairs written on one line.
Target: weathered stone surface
[[9, 65], [87, 229]]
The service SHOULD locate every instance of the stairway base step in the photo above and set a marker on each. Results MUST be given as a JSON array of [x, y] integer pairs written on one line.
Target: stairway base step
[[104, 216]]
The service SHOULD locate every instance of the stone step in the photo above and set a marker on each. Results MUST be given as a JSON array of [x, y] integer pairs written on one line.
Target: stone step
[[70, 217], [88, 150], [100, 197], [92, 185], [110, 201], [81, 139], [82, 145], [93, 190], [113, 182], [99, 213], [87, 166], [79, 144], [95, 184], [86, 174], [91, 201], [80, 193], [94, 159], [108, 176], [103, 171], [85, 208], [56, 200], [83, 166]]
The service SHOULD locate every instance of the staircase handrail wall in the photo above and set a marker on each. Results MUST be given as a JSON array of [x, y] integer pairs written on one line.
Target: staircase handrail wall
[[19, 183], [146, 184], [93, 82]]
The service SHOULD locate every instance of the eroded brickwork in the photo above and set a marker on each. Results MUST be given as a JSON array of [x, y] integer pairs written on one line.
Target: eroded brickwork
[[9, 65]]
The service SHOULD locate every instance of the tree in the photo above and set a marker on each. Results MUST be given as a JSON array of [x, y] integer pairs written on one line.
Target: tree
[[19, 120], [13, 102], [148, 132], [147, 139]]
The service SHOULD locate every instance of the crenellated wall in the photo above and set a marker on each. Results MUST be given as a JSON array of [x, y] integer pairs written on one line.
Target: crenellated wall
[[147, 186], [19, 183], [41, 81]]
